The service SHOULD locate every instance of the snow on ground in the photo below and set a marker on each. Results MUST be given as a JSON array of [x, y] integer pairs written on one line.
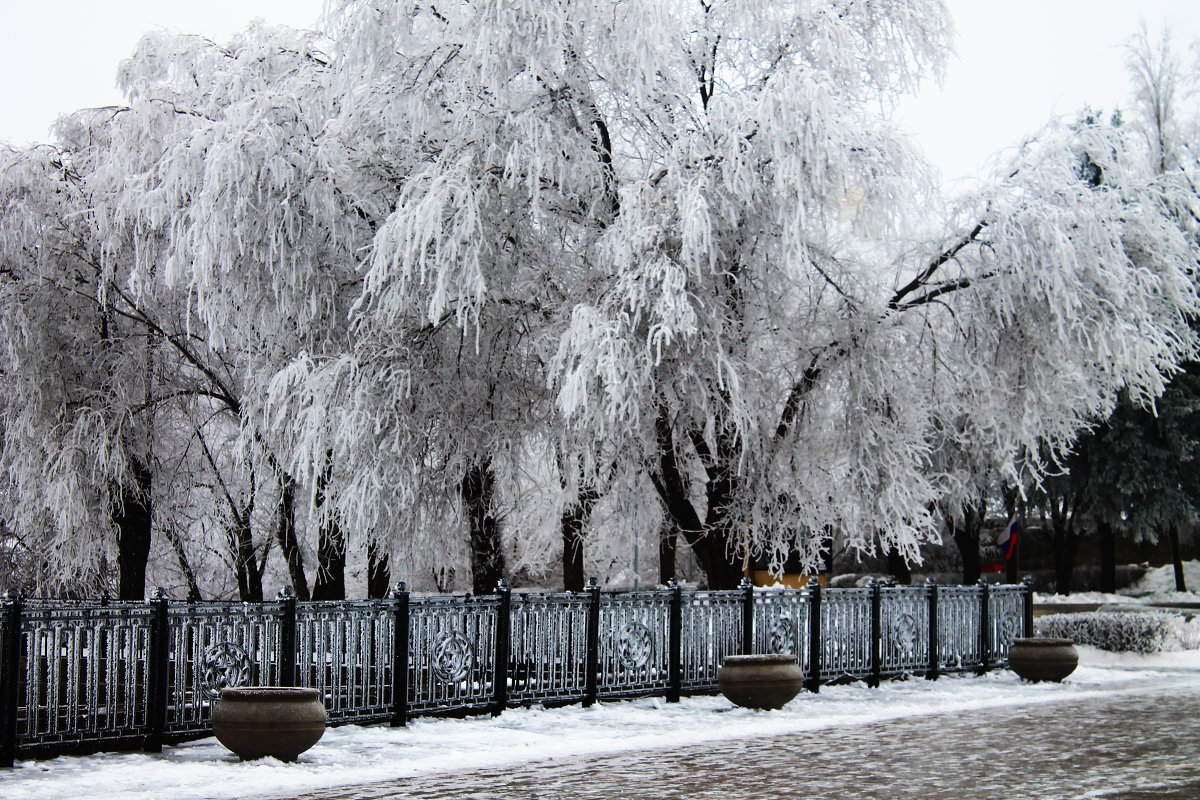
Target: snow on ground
[[358, 755], [1157, 586]]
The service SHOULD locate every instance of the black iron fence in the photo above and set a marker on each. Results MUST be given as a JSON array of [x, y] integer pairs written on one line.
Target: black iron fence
[[77, 676]]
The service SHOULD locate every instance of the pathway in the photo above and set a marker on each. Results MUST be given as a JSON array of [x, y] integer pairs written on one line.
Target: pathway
[[1124, 747]]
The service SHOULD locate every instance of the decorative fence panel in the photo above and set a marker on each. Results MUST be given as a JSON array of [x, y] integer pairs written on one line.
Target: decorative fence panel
[[214, 645], [845, 634], [633, 654], [905, 614], [1006, 611], [452, 644], [781, 620], [548, 654], [712, 629], [958, 628], [344, 649], [79, 674], [86, 672]]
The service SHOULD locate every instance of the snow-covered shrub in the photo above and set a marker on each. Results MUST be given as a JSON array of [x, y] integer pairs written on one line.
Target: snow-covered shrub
[[1122, 632]]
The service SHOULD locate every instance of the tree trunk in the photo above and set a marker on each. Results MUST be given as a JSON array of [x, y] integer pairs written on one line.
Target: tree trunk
[[189, 574], [1065, 542], [331, 562], [966, 537], [668, 546], [487, 556], [898, 568], [289, 545], [249, 577], [133, 517], [1176, 557], [574, 519], [378, 571], [709, 538], [331, 546], [1108, 557]]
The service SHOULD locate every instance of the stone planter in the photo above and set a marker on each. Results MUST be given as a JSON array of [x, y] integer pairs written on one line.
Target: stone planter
[[763, 681], [1041, 658], [257, 721]]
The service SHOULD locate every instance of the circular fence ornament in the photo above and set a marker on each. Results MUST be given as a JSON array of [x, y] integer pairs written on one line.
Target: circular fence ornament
[[224, 665], [902, 633], [1009, 628], [635, 645], [452, 657], [782, 636]]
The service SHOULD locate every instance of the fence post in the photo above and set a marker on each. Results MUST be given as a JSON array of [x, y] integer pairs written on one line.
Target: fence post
[[1028, 597], [10, 677], [813, 682], [747, 617], [876, 633], [503, 629], [592, 659], [985, 639], [934, 644], [675, 644], [400, 629], [158, 665], [287, 637]]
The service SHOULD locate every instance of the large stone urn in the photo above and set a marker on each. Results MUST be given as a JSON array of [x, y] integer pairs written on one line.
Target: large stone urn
[[257, 721], [761, 681], [1041, 658]]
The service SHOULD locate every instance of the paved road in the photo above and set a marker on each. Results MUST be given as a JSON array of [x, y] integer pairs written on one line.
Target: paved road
[[1125, 747]]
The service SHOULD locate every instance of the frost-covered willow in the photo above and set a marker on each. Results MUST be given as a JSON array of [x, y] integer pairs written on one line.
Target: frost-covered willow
[[695, 216], [74, 367]]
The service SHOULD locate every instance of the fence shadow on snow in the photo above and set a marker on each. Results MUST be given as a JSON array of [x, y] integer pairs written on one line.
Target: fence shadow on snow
[[78, 676]]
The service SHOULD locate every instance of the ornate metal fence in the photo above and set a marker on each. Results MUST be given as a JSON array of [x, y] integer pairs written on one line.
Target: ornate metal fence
[[88, 675]]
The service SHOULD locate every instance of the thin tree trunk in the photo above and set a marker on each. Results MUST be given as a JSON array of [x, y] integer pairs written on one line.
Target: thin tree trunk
[[133, 517], [487, 556], [1065, 541], [668, 548], [1176, 557], [331, 545], [1108, 557], [966, 537], [378, 571], [286, 534], [572, 523], [189, 574]]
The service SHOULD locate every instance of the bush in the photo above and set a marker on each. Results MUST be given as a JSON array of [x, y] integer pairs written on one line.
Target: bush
[[1121, 632]]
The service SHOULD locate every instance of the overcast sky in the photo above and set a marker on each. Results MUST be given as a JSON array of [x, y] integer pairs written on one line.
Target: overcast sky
[[1018, 63]]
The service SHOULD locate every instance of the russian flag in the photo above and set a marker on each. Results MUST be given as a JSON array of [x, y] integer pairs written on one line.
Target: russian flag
[[1007, 540]]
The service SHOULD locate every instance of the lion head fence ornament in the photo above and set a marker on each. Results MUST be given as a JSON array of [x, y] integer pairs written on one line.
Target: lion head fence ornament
[[634, 645], [452, 657], [224, 666]]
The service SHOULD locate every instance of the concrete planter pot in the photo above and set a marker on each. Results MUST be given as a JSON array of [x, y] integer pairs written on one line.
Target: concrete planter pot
[[762, 681], [1040, 658], [257, 721]]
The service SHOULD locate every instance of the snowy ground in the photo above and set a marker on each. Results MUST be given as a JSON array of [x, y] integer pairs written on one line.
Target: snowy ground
[[1156, 586], [353, 755]]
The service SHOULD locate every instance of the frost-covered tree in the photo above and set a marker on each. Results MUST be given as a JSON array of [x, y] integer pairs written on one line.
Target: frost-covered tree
[[702, 207], [1135, 473], [225, 169], [75, 368]]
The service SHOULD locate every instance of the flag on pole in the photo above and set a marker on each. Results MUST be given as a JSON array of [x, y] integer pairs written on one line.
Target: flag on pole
[[1007, 540]]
